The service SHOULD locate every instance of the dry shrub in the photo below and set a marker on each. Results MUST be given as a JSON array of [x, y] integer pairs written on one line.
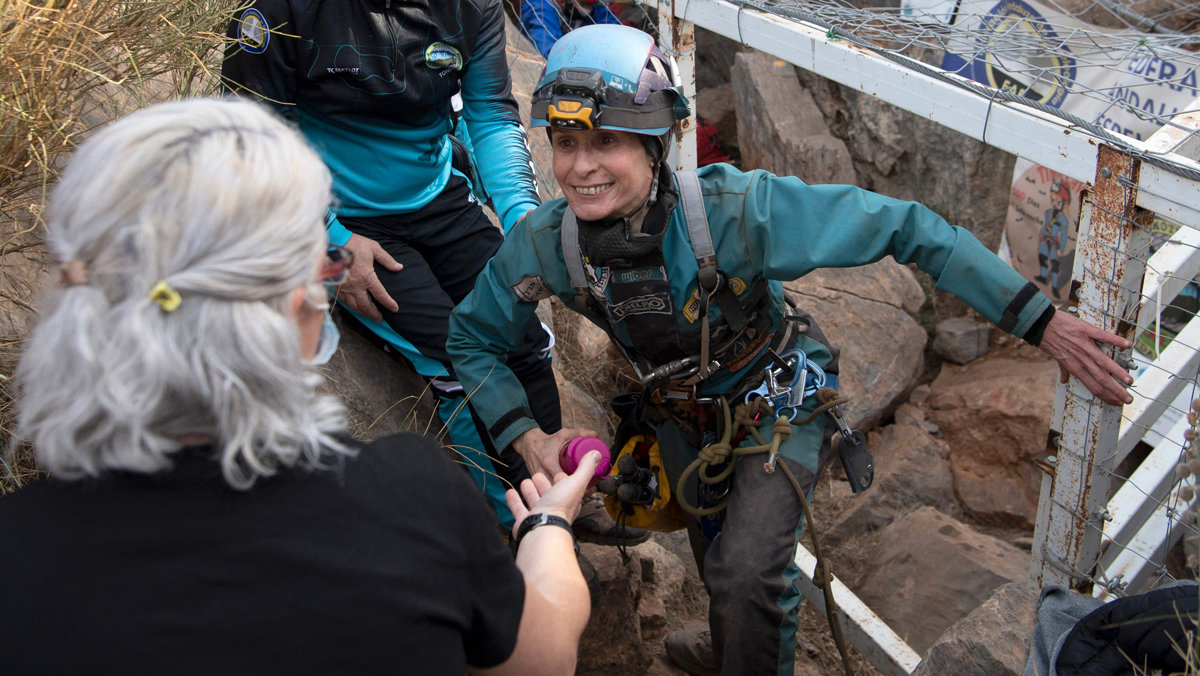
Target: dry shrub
[[67, 67]]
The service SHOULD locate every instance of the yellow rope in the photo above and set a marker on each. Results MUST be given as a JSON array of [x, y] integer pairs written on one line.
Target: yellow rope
[[751, 417]]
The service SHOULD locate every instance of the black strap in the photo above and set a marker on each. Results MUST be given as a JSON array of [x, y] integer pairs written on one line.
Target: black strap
[[540, 519], [1012, 313]]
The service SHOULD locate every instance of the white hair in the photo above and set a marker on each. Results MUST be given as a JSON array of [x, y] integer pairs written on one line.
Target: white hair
[[226, 204]]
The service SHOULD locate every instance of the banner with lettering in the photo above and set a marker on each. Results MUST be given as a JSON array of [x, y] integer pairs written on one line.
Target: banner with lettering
[[1030, 49]]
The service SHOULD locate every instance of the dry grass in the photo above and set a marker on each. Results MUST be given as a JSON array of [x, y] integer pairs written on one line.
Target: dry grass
[[66, 68]]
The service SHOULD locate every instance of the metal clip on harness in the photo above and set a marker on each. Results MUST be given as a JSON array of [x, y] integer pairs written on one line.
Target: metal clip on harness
[[781, 401]]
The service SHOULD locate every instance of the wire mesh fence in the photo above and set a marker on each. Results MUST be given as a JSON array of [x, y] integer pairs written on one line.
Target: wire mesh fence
[[1124, 76], [1099, 99]]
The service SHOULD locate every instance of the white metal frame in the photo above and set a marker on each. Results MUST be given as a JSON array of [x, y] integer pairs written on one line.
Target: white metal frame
[[1049, 141]]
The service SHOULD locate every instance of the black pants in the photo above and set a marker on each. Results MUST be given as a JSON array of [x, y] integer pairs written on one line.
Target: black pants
[[443, 247]]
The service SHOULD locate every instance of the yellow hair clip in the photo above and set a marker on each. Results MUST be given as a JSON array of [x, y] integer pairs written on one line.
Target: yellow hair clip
[[165, 297]]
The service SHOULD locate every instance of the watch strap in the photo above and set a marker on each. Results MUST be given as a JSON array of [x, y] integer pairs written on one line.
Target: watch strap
[[540, 519]]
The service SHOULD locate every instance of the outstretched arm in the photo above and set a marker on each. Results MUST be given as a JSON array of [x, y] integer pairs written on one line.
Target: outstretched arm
[[556, 597], [1074, 344]]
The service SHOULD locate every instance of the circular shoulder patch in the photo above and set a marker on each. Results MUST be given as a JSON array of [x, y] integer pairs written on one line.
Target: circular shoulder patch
[[253, 32], [440, 56]]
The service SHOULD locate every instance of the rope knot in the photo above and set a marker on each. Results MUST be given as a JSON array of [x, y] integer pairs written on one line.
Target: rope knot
[[716, 453], [782, 428]]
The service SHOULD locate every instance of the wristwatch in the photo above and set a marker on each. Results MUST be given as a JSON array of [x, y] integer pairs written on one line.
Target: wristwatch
[[540, 519]]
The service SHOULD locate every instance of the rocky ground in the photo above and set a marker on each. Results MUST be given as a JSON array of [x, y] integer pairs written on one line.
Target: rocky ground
[[939, 546]]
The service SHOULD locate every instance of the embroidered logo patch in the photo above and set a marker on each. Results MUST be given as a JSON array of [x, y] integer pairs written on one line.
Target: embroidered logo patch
[[440, 56], [691, 311], [640, 305], [253, 32], [598, 281], [640, 275], [744, 353], [532, 288]]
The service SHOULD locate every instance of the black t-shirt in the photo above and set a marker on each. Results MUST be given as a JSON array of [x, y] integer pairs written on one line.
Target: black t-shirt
[[392, 565]]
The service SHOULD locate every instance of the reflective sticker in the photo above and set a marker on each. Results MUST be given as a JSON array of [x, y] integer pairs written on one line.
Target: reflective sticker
[[440, 56], [691, 311], [532, 288], [253, 32]]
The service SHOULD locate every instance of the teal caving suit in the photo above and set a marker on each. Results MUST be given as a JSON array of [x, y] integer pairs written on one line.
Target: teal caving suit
[[764, 229], [370, 84]]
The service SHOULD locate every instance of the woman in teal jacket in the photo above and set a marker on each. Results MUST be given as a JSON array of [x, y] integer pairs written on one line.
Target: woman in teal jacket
[[643, 274]]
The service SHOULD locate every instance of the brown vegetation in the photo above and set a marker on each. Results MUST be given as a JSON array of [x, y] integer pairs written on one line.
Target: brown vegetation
[[67, 67]]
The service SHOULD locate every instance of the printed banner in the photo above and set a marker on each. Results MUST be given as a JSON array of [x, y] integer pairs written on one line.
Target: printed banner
[[1032, 50]]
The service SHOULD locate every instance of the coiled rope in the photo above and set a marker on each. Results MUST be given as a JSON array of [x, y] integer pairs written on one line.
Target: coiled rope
[[751, 417]]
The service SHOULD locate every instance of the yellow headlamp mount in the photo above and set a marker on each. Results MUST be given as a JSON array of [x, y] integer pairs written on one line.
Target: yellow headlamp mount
[[575, 99]]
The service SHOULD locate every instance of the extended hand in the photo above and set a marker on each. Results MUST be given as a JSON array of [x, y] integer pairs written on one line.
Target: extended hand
[[560, 498], [540, 450], [362, 288], [1072, 342]]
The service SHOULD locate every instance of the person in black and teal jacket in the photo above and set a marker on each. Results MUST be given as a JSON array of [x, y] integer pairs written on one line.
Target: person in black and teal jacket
[[370, 84]]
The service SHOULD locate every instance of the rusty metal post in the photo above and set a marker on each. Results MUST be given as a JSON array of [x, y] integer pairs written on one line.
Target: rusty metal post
[[1105, 291], [677, 38]]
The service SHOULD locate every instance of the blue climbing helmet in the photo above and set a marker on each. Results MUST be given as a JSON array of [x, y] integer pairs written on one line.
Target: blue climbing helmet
[[608, 76]]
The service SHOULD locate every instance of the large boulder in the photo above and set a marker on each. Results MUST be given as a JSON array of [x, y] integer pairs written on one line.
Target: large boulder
[[632, 608], [995, 414], [525, 65], [382, 394], [864, 311], [580, 409], [779, 126], [718, 106], [929, 570], [993, 639], [907, 156]]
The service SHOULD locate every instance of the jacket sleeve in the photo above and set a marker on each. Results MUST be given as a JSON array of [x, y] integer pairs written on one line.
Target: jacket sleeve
[[845, 226], [486, 326], [260, 59], [260, 63], [501, 145]]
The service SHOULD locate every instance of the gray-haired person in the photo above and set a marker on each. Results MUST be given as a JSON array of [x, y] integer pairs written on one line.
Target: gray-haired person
[[205, 511]]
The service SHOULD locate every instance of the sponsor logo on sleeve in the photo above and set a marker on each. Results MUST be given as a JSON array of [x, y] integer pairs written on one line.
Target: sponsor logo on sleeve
[[253, 32], [532, 288]]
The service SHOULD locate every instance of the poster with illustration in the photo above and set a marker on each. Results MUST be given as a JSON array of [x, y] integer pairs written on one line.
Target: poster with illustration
[[1043, 209], [1035, 51]]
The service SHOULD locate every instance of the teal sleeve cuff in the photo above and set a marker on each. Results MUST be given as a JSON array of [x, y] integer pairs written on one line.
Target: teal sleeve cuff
[[504, 438], [516, 212], [337, 233]]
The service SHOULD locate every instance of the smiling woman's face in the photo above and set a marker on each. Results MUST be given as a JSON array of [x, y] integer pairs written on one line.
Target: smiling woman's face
[[603, 174]]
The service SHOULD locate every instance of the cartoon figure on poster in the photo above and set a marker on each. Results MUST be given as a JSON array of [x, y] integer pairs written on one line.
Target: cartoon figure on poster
[[1043, 210], [1052, 241]]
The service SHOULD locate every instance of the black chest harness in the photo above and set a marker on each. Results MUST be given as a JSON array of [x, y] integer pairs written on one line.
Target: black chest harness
[[634, 295]]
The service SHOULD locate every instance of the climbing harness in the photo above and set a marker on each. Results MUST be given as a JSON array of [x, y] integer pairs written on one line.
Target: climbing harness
[[745, 331], [638, 491], [788, 381]]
